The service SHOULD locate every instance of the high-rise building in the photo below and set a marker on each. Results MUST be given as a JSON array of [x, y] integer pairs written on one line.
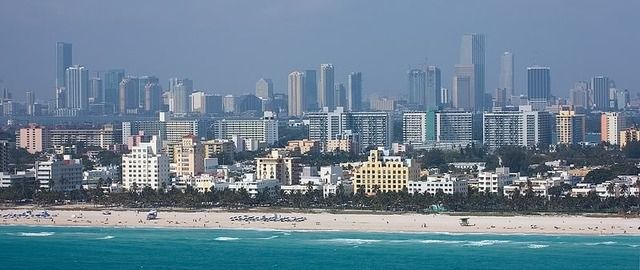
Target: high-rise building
[[579, 95], [264, 88], [623, 99], [611, 123], [187, 156], [279, 166], [63, 61], [570, 126], [152, 96], [326, 87], [506, 78], [472, 53], [600, 90], [310, 90], [354, 92], [384, 173], [31, 103], [77, 90], [538, 87], [96, 90], [111, 84], [463, 93], [374, 128], [5, 150], [414, 127], [416, 79], [433, 87], [457, 127], [129, 96], [180, 90], [525, 128], [59, 174], [296, 93], [146, 166], [263, 130], [340, 98], [34, 138], [628, 135]]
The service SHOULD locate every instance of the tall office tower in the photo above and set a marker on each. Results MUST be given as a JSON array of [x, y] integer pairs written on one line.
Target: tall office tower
[[111, 85], [152, 96], [611, 123], [197, 101], [264, 88], [187, 157], [129, 95], [445, 97], [500, 98], [96, 92], [296, 93], [354, 92], [433, 88], [506, 78], [77, 90], [340, 98], [416, 80], [472, 54], [570, 126], [538, 87], [600, 89], [31, 103], [180, 90], [142, 91], [463, 95], [524, 128], [623, 99], [325, 87], [310, 90], [61, 99], [63, 61], [374, 128], [579, 95]]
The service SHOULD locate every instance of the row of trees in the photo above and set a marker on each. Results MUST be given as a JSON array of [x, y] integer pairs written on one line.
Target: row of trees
[[521, 201]]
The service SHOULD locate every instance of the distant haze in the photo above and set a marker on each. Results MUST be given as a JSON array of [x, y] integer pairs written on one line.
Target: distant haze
[[226, 46]]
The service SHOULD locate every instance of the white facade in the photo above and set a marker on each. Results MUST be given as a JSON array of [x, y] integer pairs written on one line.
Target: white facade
[[252, 186], [518, 128], [59, 175], [263, 130], [539, 186], [447, 183], [493, 181], [414, 127], [145, 166]]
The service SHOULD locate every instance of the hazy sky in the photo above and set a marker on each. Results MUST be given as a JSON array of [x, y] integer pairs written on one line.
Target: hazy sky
[[226, 46]]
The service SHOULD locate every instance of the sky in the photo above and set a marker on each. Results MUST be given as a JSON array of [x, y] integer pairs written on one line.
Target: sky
[[226, 46]]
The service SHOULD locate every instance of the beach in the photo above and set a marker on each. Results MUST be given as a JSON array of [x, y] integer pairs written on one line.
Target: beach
[[411, 222]]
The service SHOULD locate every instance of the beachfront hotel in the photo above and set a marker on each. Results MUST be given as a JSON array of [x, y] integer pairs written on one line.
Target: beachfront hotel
[[385, 173], [145, 166], [278, 165]]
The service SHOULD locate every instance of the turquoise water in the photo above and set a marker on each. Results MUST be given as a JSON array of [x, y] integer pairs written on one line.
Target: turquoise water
[[98, 248]]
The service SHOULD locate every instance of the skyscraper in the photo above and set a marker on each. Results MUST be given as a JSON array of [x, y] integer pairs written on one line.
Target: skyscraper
[[111, 85], [538, 86], [264, 88], [326, 87], [152, 96], [354, 92], [77, 90], [63, 61], [310, 90], [416, 79], [31, 100], [433, 88], [570, 126], [472, 54], [180, 90], [296, 93], [463, 96], [340, 95], [95, 90], [600, 90], [506, 74], [129, 95]]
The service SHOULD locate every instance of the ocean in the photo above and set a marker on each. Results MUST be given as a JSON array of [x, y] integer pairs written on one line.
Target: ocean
[[96, 248]]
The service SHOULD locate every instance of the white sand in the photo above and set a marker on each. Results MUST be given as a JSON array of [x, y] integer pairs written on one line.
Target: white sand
[[550, 224]]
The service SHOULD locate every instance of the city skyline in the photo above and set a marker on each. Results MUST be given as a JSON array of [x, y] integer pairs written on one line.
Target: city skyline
[[390, 59]]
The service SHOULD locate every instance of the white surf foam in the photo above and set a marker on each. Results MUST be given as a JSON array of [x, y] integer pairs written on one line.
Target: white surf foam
[[433, 241], [107, 237], [222, 238], [483, 243], [536, 246], [352, 241], [38, 234]]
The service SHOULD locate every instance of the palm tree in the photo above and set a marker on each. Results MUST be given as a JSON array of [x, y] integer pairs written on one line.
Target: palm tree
[[611, 189]]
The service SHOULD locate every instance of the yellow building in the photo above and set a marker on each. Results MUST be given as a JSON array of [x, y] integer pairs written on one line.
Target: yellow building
[[187, 157], [385, 173], [628, 135], [213, 148], [304, 146], [570, 126], [278, 165]]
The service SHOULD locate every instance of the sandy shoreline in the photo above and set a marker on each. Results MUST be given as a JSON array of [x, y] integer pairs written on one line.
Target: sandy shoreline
[[556, 224]]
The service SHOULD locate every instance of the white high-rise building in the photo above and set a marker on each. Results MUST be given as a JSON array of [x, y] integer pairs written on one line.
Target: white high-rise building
[[611, 123], [414, 127], [472, 58], [296, 93], [77, 90], [263, 130], [146, 166], [264, 88], [506, 74], [326, 87], [180, 89], [454, 127], [517, 128], [374, 128]]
